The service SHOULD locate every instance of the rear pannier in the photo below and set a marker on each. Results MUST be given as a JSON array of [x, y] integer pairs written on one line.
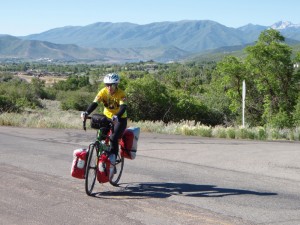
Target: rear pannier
[[129, 142]]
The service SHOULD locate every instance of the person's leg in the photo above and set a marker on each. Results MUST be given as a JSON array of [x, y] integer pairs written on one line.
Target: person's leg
[[119, 129], [114, 145]]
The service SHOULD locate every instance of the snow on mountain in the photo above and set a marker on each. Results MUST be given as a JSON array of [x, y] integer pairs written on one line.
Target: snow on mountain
[[284, 25]]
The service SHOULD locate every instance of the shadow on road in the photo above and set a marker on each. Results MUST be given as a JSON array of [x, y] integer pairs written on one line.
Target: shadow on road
[[165, 190]]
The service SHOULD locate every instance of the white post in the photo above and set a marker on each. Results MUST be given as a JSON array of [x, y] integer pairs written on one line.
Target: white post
[[243, 102]]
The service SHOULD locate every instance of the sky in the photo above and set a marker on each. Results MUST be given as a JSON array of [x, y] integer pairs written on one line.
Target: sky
[[24, 17]]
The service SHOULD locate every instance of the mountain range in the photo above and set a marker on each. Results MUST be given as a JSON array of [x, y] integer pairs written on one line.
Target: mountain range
[[107, 42]]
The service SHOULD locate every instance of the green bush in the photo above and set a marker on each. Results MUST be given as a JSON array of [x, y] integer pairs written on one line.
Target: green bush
[[17, 95], [7, 105], [242, 133], [219, 132], [75, 100], [262, 135], [148, 100], [204, 131], [296, 114], [72, 83], [274, 134], [231, 133], [281, 120]]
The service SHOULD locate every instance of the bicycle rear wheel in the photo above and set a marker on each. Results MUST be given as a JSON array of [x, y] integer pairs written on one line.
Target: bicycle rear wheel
[[117, 170], [91, 170]]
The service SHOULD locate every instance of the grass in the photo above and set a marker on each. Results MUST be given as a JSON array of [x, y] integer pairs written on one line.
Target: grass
[[49, 80], [52, 117], [48, 117]]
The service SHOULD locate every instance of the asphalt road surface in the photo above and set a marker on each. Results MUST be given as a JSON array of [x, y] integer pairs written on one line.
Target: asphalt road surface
[[173, 180]]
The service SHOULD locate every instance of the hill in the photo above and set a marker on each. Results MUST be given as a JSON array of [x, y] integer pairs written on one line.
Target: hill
[[14, 48], [128, 42], [191, 36]]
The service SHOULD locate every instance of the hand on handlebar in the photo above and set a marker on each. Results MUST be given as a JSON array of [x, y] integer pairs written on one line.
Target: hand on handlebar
[[115, 119], [84, 115]]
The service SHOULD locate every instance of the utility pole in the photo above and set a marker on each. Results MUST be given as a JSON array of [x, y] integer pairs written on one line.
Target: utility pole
[[243, 102]]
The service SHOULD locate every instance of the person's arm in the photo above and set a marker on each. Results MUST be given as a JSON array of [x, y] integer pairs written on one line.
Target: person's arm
[[123, 106], [89, 110], [91, 107], [121, 111]]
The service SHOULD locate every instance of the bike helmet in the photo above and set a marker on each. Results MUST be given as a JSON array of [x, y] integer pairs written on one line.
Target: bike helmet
[[111, 78]]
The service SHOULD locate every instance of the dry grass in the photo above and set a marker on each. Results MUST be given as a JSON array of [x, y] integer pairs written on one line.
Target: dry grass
[[49, 80], [52, 117], [48, 117]]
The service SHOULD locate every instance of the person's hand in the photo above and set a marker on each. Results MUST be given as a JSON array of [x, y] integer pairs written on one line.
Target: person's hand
[[115, 119], [84, 115]]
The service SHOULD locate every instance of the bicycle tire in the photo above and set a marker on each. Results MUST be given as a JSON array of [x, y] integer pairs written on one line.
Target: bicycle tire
[[91, 170], [119, 165]]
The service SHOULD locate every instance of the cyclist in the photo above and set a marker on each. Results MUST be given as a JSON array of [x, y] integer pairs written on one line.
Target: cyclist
[[114, 101]]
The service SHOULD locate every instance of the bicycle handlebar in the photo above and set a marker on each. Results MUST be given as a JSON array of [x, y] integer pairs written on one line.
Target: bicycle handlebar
[[89, 117], [84, 122]]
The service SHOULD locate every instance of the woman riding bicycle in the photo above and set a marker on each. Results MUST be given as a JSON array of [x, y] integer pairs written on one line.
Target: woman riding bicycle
[[114, 101]]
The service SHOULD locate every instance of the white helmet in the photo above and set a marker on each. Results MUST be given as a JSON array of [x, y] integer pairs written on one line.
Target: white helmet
[[111, 78]]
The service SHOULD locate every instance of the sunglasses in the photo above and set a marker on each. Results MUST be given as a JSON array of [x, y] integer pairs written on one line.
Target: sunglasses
[[110, 85]]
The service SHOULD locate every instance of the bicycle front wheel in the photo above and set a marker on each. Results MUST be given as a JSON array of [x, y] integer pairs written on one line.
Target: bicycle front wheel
[[118, 169], [91, 170]]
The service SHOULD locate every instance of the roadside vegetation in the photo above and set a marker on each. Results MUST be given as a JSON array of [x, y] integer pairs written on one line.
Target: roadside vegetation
[[192, 98]]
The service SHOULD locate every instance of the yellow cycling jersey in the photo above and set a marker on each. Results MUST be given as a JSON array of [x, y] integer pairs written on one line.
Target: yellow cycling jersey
[[111, 102]]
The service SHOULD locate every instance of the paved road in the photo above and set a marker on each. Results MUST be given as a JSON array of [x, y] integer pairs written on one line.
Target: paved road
[[173, 180]]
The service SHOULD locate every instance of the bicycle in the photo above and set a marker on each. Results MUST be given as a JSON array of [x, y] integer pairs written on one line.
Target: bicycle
[[96, 150]]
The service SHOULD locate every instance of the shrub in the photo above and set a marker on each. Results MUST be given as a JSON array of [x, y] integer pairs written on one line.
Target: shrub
[[281, 120], [148, 100], [231, 132], [296, 114], [17, 95], [242, 133], [75, 100], [219, 132], [7, 105], [204, 131], [262, 135], [72, 83]]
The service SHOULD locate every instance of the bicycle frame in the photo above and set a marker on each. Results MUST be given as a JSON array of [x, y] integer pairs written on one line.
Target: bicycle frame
[[102, 146]]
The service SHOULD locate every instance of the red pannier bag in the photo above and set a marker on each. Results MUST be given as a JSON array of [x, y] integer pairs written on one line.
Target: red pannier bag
[[103, 169], [129, 142], [79, 163]]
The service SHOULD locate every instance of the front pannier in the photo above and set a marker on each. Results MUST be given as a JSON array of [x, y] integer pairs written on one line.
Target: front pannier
[[99, 121], [79, 163], [103, 169]]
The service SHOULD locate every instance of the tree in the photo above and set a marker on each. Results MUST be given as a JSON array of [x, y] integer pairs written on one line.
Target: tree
[[72, 83], [228, 79], [296, 113], [270, 78], [271, 68], [232, 73], [147, 99]]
